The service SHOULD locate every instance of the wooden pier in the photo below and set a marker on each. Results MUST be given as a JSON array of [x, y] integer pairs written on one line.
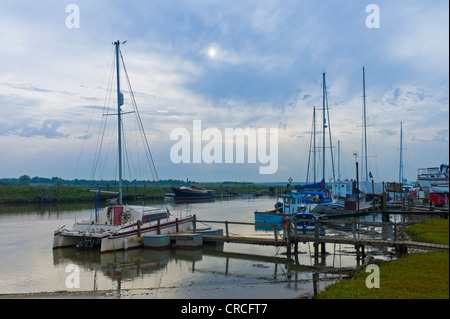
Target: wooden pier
[[292, 237]]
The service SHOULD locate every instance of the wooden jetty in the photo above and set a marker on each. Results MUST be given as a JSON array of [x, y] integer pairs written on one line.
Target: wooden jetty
[[292, 237]]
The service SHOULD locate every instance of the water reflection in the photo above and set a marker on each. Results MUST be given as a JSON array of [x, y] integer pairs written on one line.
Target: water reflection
[[227, 271], [209, 264]]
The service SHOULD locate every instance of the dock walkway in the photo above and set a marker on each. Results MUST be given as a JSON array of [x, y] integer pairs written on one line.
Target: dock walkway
[[292, 236]]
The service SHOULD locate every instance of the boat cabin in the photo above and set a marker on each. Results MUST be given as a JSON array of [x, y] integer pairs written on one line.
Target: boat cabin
[[122, 214], [294, 201]]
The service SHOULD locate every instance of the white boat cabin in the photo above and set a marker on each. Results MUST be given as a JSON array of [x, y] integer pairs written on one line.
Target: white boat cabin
[[122, 214]]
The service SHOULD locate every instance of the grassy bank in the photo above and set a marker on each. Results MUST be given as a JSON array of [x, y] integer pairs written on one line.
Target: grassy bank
[[32, 194], [418, 276]]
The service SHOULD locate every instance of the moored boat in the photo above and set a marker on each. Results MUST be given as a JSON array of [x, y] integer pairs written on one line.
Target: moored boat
[[291, 205], [435, 180], [186, 193], [120, 226], [304, 220]]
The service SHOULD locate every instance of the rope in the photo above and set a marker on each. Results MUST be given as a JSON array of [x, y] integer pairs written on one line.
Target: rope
[[143, 136]]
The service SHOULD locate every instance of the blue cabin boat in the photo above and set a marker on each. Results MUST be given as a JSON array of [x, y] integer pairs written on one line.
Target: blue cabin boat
[[291, 205], [317, 201], [304, 221]]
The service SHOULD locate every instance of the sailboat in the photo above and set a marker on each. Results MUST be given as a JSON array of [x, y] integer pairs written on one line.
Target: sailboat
[[315, 195], [299, 201], [435, 181], [358, 191], [119, 226]]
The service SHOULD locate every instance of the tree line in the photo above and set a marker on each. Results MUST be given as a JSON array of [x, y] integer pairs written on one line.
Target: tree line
[[26, 180]]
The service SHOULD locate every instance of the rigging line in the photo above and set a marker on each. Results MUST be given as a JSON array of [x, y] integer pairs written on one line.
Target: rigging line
[[309, 157], [102, 127], [142, 126], [329, 133], [128, 158], [92, 115], [138, 117]]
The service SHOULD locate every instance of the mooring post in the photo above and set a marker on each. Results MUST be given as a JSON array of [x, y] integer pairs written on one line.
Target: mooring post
[[315, 283], [159, 227], [354, 231], [226, 231], [358, 255], [194, 223], [316, 240], [177, 225], [288, 237], [322, 248], [392, 233], [139, 228], [275, 233], [295, 237]]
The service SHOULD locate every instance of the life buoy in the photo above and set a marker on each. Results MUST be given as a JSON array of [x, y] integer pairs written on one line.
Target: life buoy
[[314, 199], [285, 220]]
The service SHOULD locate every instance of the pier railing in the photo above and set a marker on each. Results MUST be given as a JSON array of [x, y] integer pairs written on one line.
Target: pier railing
[[357, 233]]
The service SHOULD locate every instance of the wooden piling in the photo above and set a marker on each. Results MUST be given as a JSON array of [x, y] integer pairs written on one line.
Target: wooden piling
[[316, 241], [357, 187], [139, 228], [226, 231], [275, 232]]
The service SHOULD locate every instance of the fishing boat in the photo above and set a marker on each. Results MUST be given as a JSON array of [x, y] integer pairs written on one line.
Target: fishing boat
[[317, 197], [188, 193], [436, 181], [292, 204], [119, 226]]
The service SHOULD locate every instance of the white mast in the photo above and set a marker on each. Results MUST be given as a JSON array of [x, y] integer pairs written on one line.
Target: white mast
[[119, 120], [364, 124], [324, 125], [400, 173], [314, 142]]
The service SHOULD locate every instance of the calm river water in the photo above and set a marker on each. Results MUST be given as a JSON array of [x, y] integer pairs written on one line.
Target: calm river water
[[29, 264]]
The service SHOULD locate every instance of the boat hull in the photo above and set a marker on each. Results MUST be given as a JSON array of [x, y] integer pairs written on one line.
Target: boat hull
[[271, 217], [130, 239], [188, 194], [125, 238]]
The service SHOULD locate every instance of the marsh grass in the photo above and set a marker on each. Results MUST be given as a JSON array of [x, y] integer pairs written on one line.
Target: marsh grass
[[418, 276]]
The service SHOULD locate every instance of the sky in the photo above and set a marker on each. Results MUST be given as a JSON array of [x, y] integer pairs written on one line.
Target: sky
[[228, 64]]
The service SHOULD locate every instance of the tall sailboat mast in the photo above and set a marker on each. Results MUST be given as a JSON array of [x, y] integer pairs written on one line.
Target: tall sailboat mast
[[365, 124], [400, 173], [323, 126], [119, 119]]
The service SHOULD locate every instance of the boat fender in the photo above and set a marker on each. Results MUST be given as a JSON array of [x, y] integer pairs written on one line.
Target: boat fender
[[278, 206], [125, 244], [314, 199]]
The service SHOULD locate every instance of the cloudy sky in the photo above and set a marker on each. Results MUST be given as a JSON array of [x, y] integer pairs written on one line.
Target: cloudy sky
[[230, 64]]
